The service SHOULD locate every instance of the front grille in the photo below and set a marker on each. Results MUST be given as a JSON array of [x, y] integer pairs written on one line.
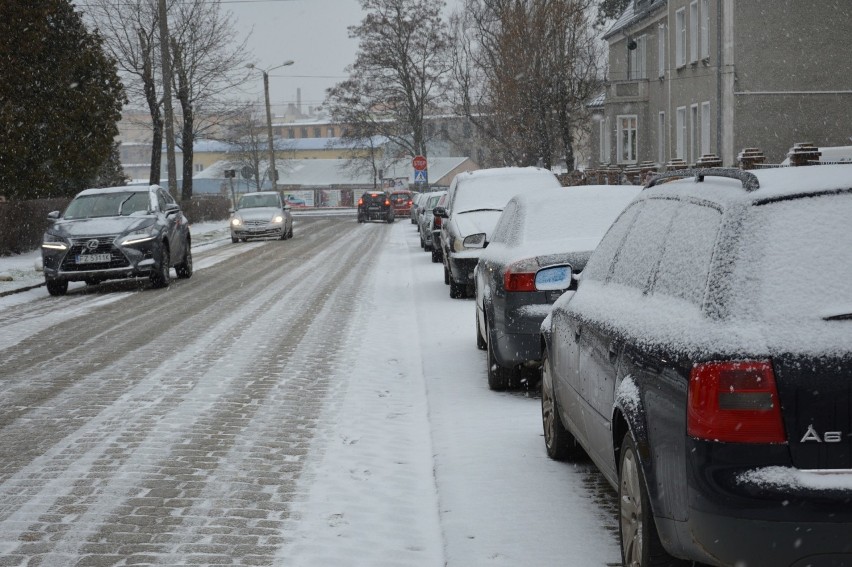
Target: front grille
[[255, 223], [105, 246]]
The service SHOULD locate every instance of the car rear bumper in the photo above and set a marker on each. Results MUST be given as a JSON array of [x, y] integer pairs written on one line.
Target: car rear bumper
[[461, 269], [730, 540], [517, 334]]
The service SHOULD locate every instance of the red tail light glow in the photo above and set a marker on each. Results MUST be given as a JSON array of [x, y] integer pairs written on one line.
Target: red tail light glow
[[360, 202], [438, 221], [387, 202], [735, 402], [520, 276]]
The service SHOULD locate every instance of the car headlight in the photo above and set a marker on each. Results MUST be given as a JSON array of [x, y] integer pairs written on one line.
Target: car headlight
[[143, 234], [54, 242], [236, 221], [277, 219]]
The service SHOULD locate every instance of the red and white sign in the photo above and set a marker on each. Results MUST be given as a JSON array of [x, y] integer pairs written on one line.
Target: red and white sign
[[419, 163]]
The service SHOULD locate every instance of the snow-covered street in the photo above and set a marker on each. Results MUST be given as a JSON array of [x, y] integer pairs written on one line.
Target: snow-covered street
[[313, 402]]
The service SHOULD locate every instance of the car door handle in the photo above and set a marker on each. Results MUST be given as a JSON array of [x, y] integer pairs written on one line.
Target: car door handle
[[577, 332]]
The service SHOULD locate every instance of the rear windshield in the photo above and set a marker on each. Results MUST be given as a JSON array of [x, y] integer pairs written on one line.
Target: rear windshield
[[370, 197], [797, 258], [254, 201], [401, 196], [108, 205]]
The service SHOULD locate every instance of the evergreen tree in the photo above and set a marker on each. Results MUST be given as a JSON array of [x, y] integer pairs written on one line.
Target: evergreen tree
[[60, 100]]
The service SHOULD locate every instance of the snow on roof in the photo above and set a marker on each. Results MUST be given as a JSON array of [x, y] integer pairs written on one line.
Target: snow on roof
[[633, 14]]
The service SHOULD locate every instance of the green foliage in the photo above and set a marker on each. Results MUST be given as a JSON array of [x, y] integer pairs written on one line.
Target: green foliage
[[60, 100], [610, 9]]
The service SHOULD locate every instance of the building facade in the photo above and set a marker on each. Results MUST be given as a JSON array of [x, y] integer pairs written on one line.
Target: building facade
[[688, 78]]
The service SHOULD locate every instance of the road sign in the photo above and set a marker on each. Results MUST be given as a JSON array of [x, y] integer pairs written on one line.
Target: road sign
[[419, 163], [421, 176]]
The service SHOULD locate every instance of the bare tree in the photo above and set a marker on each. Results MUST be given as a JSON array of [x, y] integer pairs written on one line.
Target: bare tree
[[524, 70], [248, 140], [207, 64], [130, 32], [399, 75]]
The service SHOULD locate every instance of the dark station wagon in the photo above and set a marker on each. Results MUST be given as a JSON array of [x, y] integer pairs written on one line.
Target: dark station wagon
[[704, 363]]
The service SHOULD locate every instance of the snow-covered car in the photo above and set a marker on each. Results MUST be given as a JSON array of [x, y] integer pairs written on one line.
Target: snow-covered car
[[424, 218], [401, 201], [537, 230], [435, 223], [116, 232], [262, 214], [704, 365], [475, 201]]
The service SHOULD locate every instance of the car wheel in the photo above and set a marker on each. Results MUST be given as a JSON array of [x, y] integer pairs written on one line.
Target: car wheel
[[446, 275], [234, 239], [558, 441], [640, 543], [290, 232], [480, 341], [457, 291], [184, 269], [390, 220], [160, 277], [57, 287], [422, 243], [499, 378], [436, 255]]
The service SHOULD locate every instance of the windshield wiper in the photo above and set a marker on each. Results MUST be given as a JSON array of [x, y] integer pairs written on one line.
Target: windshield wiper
[[479, 210], [121, 205], [839, 317]]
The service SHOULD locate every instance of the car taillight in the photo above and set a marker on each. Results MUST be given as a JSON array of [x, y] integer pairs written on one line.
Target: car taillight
[[437, 223], [360, 202], [734, 401], [387, 203], [520, 276], [410, 202]]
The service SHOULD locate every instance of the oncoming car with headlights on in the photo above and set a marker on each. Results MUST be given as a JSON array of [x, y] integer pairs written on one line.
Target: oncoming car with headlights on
[[262, 214], [116, 232]]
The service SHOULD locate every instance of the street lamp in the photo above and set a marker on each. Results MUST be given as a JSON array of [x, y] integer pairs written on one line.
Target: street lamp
[[273, 174]]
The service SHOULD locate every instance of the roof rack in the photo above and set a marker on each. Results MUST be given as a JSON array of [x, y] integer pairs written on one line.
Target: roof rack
[[748, 179]]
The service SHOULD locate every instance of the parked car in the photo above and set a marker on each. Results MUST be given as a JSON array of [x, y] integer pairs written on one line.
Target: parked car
[[476, 199], [401, 200], [549, 227], [262, 214], [117, 232], [425, 219], [435, 224], [415, 206], [704, 365], [294, 201], [375, 205]]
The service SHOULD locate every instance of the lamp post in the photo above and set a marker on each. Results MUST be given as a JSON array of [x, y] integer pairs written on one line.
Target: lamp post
[[273, 174]]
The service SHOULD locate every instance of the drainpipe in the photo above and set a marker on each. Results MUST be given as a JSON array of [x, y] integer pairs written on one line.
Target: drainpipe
[[719, 80]]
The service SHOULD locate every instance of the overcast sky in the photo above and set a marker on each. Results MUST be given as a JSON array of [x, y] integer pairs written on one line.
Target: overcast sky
[[313, 33]]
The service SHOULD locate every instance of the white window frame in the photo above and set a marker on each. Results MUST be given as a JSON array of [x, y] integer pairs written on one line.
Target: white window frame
[[639, 59], [693, 31], [680, 37], [661, 138], [603, 156], [628, 138], [680, 132], [198, 167], [662, 35], [693, 133], [705, 29], [705, 128]]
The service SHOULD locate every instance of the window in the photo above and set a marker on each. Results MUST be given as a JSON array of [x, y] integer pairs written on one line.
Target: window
[[317, 132], [303, 132], [641, 251], [198, 167], [680, 132], [693, 31], [705, 128], [627, 138], [705, 29], [291, 133], [662, 33], [604, 139], [637, 67], [331, 132], [680, 37], [685, 264], [661, 138], [600, 261], [693, 133]]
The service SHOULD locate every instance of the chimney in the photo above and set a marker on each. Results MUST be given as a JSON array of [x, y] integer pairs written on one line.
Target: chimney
[[803, 153], [299, 100]]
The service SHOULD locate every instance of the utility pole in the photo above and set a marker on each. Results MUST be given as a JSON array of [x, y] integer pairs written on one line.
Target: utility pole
[[273, 173], [167, 98]]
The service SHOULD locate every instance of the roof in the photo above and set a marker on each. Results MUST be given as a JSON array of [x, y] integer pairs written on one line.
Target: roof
[[329, 173], [635, 12], [121, 189]]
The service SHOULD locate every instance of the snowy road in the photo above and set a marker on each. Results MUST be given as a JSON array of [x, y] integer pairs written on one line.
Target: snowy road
[[313, 402]]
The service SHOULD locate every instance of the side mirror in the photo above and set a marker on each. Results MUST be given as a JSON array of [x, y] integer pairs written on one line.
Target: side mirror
[[172, 208], [553, 278], [53, 215], [231, 211], [475, 241], [440, 212], [287, 207]]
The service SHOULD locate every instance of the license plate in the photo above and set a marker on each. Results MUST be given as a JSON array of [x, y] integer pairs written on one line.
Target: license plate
[[93, 258]]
